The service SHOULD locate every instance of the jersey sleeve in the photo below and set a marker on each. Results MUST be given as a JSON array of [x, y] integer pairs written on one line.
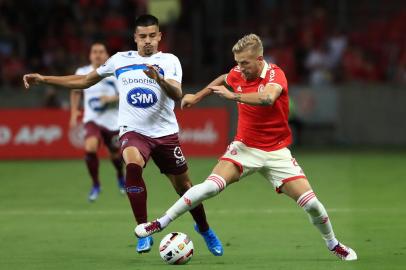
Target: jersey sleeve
[[277, 77], [231, 78], [174, 69], [108, 68], [79, 71]]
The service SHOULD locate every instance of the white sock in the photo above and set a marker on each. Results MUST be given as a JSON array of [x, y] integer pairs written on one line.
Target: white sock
[[318, 216], [213, 185], [164, 221]]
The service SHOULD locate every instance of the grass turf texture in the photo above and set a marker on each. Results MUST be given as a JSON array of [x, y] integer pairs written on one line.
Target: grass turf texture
[[46, 221]]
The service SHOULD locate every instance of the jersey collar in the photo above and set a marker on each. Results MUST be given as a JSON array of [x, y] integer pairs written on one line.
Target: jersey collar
[[264, 69]]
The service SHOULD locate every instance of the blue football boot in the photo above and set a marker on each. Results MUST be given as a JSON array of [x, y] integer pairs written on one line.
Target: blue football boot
[[94, 193], [121, 185], [144, 244], [212, 241]]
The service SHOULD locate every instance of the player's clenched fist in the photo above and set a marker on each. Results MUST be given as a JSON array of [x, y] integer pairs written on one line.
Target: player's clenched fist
[[188, 100], [33, 78]]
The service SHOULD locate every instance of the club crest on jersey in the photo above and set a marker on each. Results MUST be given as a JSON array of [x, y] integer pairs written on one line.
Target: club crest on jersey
[[96, 105], [141, 97], [239, 89], [260, 88]]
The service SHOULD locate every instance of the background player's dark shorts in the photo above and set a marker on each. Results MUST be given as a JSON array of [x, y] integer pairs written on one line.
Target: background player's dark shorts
[[165, 151], [109, 137]]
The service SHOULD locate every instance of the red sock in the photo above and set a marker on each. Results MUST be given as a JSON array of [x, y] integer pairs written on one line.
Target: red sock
[[92, 163], [136, 192], [118, 164]]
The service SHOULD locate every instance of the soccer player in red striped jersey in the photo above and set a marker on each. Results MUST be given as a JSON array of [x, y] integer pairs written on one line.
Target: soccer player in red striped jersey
[[260, 145]]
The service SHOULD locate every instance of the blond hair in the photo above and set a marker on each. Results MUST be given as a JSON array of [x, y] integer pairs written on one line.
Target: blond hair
[[250, 42]]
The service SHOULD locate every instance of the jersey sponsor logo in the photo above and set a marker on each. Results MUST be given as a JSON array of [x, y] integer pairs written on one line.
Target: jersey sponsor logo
[[127, 81], [272, 75], [96, 105], [141, 97]]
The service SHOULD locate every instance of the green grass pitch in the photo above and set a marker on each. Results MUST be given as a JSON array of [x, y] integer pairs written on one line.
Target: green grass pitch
[[46, 221]]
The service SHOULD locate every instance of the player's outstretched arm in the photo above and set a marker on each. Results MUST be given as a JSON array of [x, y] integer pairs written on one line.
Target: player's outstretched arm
[[71, 81], [265, 98], [75, 96], [191, 99]]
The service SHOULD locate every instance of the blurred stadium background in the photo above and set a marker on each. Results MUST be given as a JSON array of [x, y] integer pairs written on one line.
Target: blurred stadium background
[[346, 66], [345, 60]]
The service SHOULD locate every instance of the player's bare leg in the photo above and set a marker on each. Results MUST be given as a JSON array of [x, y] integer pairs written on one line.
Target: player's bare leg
[[301, 191], [137, 192], [92, 164], [224, 173], [182, 184]]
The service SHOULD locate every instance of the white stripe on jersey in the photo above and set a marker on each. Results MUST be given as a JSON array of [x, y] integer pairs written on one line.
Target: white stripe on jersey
[[107, 115], [144, 106]]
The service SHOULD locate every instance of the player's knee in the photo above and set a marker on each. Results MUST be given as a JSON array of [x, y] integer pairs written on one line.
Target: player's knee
[[182, 188], [216, 184], [309, 202]]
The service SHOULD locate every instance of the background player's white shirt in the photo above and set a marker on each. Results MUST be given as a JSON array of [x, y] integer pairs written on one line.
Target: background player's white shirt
[[144, 106], [107, 115]]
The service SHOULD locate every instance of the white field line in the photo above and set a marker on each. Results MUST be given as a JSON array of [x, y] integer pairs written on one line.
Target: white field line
[[66, 212]]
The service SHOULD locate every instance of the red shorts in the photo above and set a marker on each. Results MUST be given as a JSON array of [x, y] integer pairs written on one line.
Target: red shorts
[[109, 137], [165, 151]]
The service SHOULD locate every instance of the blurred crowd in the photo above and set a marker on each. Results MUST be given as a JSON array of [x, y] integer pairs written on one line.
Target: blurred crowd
[[314, 45]]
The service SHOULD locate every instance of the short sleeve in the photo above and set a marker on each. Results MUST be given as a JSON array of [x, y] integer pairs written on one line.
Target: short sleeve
[[79, 71], [277, 76], [174, 70], [230, 78], [107, 69]]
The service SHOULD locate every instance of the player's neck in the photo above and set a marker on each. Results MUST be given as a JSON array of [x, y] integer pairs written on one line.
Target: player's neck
[[95, 66], [140, 53]]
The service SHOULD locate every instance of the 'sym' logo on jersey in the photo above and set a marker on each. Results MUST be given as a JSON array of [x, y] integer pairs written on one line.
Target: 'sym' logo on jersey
[[141, 97]]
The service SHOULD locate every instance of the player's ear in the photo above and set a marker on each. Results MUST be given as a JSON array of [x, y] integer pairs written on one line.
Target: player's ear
[[260, 58], [135, 37], [159, 36]]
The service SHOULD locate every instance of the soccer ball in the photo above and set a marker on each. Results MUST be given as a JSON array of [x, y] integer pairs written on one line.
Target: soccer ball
[[176, 248]]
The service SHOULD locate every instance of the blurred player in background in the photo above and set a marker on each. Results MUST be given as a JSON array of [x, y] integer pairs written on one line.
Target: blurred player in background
[[100, 119], [263, 135], [149, 83]]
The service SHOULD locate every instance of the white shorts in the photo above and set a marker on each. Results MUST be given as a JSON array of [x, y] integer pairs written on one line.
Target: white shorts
[[277, 166]]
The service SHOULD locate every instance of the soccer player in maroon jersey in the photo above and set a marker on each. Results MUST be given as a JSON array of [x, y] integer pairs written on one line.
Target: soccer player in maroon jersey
[[100, 119], [148, 126], [263, 135]]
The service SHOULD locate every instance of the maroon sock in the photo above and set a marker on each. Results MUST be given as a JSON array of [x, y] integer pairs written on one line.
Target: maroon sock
[[136, 192], [199, 216], [118, 164], [92, 163]]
